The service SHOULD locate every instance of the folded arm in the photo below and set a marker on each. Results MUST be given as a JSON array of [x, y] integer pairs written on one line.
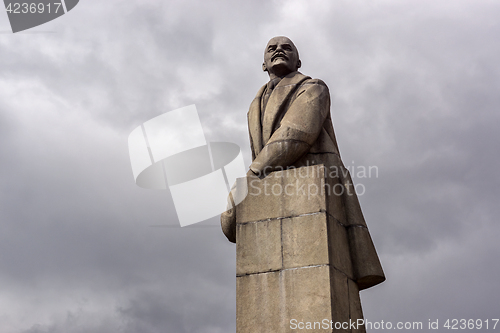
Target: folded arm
[[298, 130]]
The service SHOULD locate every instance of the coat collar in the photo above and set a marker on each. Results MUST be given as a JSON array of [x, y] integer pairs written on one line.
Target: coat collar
[[260, 133]]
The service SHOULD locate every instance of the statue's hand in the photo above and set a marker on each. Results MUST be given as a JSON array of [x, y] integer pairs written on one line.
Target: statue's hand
[[250, 174], [228, 218], [228, 224]]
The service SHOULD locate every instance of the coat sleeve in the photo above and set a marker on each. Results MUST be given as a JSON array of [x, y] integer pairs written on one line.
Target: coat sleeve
[[298, 130]]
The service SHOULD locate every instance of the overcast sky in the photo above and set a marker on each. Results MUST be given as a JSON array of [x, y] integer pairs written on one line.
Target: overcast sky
[[415, 89]]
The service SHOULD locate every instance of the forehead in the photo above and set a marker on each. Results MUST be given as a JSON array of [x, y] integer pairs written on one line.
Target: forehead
[[280, 41]]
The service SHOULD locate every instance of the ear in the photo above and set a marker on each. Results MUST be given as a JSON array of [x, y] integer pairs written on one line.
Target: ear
[[299, 63], [264, 68]]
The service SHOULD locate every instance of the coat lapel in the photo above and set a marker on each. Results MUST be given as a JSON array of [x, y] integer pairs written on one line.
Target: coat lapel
[[277, 101], [254, 125], [260, 133]]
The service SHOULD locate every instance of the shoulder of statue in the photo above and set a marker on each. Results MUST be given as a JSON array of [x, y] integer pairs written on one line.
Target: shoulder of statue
[[314, 86], [316, 81]]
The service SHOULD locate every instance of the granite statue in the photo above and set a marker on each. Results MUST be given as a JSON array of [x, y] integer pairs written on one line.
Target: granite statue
[[290, 128]]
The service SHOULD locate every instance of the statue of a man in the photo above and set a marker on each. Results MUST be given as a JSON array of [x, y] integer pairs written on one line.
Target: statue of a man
[[290, 127]]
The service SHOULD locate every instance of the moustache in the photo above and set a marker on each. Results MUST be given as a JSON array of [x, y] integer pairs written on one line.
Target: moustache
[[279, 54]]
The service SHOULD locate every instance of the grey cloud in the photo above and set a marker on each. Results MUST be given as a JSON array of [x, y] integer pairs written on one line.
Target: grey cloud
[[415, 92]]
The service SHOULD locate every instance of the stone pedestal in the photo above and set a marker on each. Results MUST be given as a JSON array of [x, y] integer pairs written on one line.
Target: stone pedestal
[[293, 262]]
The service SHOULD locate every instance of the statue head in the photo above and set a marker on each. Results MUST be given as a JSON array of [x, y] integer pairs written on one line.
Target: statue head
[[281, 57]]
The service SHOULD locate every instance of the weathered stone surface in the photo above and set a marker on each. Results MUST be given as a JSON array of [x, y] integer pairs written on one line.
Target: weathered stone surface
[[367, 269], [355, 311], [301, 294], [305, 241], [339, 253], [339, 297], [284, 194], [289, 265], [306, 296], [258, 247], [258, 303], [303, 190], [260, 203], [334, 190]]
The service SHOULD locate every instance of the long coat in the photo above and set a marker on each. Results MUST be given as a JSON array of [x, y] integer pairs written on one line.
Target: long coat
[[296, 130]]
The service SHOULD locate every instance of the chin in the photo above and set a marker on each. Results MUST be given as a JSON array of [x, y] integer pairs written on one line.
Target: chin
[[282, 65]]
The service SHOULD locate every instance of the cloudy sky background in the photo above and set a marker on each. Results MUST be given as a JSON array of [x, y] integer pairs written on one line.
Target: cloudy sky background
[[415, 89]]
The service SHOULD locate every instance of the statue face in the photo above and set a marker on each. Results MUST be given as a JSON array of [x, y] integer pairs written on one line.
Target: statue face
[[281, 57]]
